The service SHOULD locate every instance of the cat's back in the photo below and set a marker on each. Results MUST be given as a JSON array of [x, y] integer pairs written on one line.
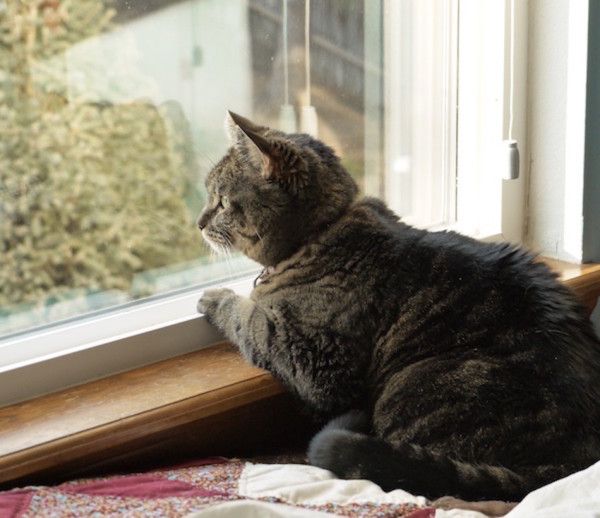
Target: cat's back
[[408, 262], [453, 301]]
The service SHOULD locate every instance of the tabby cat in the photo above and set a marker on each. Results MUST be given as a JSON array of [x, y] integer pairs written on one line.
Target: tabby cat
[[451, 366]]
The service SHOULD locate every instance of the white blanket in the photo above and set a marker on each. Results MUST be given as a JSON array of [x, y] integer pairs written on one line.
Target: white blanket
[[577, 496]]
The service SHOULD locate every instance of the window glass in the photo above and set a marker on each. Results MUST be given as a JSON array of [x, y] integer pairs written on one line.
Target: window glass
[[111, 114]]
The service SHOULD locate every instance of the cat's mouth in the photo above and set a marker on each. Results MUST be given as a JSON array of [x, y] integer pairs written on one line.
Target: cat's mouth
[[218, 241]]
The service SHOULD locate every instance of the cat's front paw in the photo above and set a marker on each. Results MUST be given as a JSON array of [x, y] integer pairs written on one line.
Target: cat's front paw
[[211, 301]]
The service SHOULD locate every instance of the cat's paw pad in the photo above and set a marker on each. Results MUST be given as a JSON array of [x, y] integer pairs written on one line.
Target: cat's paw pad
[[211, 300]]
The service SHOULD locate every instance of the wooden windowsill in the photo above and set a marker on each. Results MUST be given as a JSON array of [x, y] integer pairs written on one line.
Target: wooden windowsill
[[583, 279], [199, 394], [102, 415]]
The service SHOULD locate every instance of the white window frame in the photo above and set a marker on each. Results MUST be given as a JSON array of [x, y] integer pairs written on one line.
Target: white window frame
[[63, 355], [465, 100], [498, 211], [72, 353]]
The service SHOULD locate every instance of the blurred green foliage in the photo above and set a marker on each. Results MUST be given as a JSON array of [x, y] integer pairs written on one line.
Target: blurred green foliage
[[90, 193]]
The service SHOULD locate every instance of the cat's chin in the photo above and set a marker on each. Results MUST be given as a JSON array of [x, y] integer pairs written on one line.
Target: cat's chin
[[218, 248]]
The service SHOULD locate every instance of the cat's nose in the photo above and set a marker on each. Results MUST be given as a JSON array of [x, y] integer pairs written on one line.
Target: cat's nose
[[203, 219]]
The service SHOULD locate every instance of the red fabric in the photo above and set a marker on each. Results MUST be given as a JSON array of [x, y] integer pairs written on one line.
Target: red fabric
[[138, 486], [428, 512], [14, 504]]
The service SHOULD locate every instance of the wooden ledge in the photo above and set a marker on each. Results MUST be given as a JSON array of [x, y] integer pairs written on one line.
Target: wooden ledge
[[98, 416], [210, 397], [583, 279]]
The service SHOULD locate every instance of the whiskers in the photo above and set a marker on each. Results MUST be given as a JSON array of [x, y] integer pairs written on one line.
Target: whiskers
[[220, 245], [219, 241]]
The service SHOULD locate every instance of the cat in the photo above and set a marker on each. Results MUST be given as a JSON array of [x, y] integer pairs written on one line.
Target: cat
[[448, 366]]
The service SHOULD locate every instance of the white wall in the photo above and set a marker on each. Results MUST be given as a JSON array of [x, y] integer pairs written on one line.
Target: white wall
[[556, 126]]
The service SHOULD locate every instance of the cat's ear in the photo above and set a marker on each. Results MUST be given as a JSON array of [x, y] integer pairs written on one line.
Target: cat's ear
[[277, 159], [237, 128], [244, 135]]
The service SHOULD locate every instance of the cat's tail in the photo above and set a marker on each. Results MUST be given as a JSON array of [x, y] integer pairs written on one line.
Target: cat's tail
[[351, 454]]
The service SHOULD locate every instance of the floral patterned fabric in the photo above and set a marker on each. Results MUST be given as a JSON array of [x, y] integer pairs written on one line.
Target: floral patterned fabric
[[177, 492]]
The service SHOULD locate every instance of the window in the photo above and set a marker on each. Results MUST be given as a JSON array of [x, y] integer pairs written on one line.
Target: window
[[111, 113], [421, 105], [449, 67]]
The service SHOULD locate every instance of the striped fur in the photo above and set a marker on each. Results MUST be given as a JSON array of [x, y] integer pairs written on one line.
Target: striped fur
[[475, 372]]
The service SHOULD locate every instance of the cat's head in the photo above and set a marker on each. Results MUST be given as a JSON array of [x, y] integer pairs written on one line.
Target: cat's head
[[272, 192]]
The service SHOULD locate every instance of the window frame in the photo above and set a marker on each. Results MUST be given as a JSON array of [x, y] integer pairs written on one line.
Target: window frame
[[67, 354], [505, 205]]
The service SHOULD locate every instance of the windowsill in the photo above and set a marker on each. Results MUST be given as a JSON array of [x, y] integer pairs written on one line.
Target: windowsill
[[132, 409], [95, 417]]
